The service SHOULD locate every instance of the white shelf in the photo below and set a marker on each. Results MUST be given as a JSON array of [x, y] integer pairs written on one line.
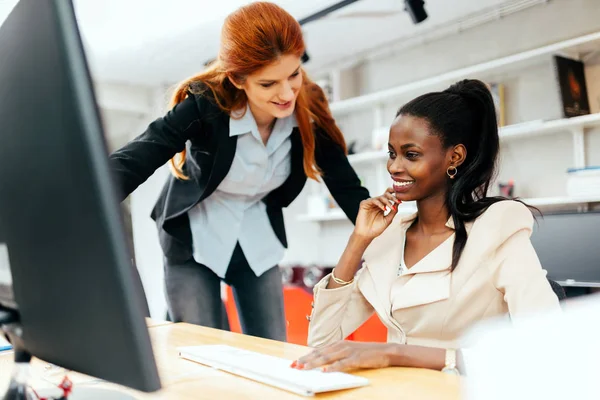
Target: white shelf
[[561, 201], [367, 157], [338, 215], [536, 128], [527, 129], [515, 61], [333, 215]]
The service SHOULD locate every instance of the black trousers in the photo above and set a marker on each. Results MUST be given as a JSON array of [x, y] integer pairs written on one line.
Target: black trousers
[[194, 295]]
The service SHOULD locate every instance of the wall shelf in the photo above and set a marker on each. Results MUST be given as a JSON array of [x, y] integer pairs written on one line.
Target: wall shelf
[[536, 128], [561, 201], [367, 157], [575, 125], [541, 202], [338, 215], [333, 215], [516, 61]]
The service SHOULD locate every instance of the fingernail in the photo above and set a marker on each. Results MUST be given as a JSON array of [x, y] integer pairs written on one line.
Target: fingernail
[[323, 369], [396, 208], [294, 364]]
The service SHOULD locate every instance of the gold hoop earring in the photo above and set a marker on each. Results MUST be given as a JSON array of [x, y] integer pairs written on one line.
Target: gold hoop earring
[[452, 171]]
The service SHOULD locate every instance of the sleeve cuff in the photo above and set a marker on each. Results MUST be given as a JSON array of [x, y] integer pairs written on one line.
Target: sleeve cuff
[[337, 297], [322, 286]]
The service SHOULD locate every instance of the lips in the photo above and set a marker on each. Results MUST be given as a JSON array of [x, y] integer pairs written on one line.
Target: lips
[[402, 186], [283, 106]]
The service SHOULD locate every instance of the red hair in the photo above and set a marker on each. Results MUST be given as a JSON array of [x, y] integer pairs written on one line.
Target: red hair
[[252, 38]]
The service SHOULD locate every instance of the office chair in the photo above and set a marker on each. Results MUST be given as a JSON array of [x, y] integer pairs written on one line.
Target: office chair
[[558, 290]]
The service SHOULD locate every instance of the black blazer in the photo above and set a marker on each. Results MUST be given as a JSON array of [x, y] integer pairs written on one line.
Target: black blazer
[[201, 127]]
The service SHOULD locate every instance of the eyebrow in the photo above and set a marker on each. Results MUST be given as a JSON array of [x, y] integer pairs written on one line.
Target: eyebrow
[[275, 80], [405, 146]]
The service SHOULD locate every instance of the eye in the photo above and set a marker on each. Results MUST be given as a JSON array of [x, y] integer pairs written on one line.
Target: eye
[[295, 74], [266, 85], [411, 155], [391, 154]]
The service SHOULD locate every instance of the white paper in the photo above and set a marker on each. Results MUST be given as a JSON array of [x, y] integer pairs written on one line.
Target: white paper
[[5, 274]]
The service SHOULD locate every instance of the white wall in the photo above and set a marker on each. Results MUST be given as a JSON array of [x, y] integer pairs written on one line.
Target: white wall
[[148, 254], [126, 112]]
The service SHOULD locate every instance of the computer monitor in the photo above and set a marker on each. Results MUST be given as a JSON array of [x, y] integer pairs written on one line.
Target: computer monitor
[[64, 264], [568, 247]]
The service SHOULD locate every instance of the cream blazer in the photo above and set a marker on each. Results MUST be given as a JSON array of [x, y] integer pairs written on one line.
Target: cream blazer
[[499, 274]]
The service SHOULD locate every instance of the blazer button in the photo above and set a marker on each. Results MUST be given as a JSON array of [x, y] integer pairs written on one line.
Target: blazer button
[[308, 317]]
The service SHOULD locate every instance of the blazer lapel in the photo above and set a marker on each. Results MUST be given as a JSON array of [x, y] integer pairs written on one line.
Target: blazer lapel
[[427, 281], [192, 191], [224, 153], [439, 259], [430, 279], [291, 188], [382, 260]]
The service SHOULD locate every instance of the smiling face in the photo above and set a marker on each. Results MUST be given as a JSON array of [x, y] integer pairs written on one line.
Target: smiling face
[[272, 91], [418, 161]]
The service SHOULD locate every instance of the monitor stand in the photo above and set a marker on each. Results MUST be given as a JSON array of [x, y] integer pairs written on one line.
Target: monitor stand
[[19, 387]]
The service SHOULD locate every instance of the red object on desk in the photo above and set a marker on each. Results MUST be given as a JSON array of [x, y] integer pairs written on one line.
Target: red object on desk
[[298, 305]]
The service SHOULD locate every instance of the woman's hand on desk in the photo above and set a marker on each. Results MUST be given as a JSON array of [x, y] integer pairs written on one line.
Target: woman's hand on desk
[[345, 356], [373, 218], [348, 355]]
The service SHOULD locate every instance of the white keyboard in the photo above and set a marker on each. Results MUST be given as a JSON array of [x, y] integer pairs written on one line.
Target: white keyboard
[[273, 371]]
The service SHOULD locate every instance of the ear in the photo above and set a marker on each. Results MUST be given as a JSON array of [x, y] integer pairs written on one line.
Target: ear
[[234, 83], [458, 154]]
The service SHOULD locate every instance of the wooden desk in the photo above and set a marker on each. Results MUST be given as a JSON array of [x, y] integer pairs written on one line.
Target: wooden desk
[[156, 322], [183, 379]]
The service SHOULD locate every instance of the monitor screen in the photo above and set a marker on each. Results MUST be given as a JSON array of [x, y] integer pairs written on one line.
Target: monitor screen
[[568, 247], [64, 261]]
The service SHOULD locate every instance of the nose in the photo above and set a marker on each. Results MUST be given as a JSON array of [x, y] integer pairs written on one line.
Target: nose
[[396, 166], [287, 92]]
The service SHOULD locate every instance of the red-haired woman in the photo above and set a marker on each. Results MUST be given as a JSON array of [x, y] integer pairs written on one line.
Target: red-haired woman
[[243, 137]]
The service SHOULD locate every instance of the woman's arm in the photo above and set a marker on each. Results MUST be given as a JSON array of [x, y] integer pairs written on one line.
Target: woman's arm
[[350, 260], [338, 310], [515, 268], [348, 355], [135, 162], [401, 355], [339, 306], [518, 274]]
